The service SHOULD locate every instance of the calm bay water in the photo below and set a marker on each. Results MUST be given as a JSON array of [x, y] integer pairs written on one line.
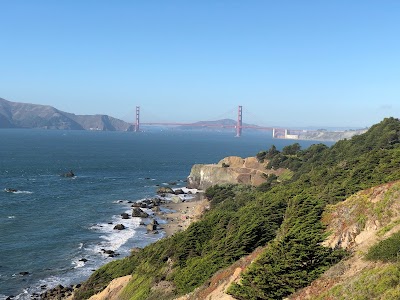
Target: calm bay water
[[53, 222]]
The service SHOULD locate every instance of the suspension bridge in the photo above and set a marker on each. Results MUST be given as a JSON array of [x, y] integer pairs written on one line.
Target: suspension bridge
[[239, 126]]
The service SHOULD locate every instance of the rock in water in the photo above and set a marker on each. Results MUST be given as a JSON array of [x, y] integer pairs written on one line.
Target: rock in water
[[165, 190], [125, 216], [138, 213], [119, 227], [179, 192], [23, 273], [68, 174], [151, 227]]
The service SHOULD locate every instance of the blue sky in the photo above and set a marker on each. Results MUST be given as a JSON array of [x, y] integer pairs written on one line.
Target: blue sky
[[289, 63]]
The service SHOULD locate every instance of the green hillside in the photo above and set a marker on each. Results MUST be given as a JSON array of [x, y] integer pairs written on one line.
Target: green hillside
[[283, 216]]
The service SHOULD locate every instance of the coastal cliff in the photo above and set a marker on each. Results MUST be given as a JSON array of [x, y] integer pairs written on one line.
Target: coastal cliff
[[232, 169]]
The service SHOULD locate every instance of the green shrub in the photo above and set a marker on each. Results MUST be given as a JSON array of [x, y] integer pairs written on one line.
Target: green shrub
[[386, 250]]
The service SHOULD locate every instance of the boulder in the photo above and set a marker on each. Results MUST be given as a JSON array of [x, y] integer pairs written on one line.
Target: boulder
[[156, 209], [179, 192], [119, 227], [165, 190], [125, 216], [176, 199], [23, 273], [154, 222], [151, 227], [68, 174], [138, 213], [156, 202]]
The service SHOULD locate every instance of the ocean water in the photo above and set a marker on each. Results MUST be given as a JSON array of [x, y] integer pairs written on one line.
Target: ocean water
[[53, 222]]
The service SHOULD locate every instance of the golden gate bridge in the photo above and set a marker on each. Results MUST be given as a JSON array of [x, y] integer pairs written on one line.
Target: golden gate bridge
[[239, 126]]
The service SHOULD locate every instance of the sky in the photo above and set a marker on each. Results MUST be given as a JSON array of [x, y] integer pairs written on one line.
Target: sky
[[288, 63]]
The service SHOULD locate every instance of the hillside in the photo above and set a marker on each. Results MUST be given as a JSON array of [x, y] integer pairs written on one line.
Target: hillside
[[286, 221], [222, 124], [324, 135], [24, 115], [367, 225]]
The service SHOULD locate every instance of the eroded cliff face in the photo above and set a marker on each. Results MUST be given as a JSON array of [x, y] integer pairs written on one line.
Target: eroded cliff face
[[232, 169]]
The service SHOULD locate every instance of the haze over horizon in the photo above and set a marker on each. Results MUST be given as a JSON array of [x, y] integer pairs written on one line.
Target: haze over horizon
[[288, 63]]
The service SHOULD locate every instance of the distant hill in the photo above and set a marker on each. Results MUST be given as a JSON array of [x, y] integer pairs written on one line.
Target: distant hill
[[225, 123], [25, 115]]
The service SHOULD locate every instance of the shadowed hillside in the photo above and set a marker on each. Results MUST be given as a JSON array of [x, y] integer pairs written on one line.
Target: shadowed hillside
[[25, 115]]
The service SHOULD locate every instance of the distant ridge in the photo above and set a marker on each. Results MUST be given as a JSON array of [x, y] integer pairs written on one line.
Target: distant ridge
[[223, 122], [26, 115]]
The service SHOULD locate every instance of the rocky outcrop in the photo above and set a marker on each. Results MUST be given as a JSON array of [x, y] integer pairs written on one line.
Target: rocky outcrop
[[119, 227], [354, 221], [113, 290], [232, 169], [59, 292], [165, 190], [138, 213], [69, 174], [125, 216]]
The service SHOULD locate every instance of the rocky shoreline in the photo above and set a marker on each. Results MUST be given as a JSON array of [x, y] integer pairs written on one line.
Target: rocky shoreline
[[176, 209]]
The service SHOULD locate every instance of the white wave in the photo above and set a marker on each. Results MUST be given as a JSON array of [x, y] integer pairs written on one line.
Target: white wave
[[11, 217], [23, 296], [119, 201], [80, 246], [22, 192], [112, 239], [78, 263]]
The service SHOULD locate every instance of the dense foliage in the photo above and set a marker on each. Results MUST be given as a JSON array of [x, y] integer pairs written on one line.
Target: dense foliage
[[386, 250], [282, 216]]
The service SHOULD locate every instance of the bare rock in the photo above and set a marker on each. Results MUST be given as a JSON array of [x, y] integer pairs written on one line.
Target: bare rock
[[119, 227]]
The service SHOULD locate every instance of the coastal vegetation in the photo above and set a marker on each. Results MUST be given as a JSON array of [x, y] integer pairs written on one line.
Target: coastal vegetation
[[387, 250], [283, 216]]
